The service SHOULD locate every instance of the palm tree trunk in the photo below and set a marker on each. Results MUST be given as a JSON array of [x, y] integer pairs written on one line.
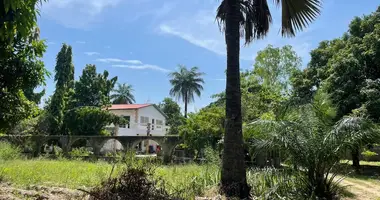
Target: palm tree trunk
[[233, 174], [355, 158], [186, 105]]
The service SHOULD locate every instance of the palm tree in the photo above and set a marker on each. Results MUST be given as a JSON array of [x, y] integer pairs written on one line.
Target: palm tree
[[251, 19], [185, 83], [313, 141], [123, 94]]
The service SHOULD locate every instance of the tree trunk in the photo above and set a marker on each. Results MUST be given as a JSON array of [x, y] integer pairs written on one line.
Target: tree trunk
[[355, 158], [186, 105], [233, 174]]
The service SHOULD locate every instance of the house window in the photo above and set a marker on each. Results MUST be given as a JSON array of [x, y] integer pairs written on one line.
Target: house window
[[144, 120], [127, 125], [159, 123], [152, 127]]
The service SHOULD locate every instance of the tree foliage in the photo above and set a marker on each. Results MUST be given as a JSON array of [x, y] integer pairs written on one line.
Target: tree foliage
[[21, 68], [204, 128], [93, 89], [18, 17], [173, 113], [185, 83], [64, 78], [123, 94], [315, 142], [347, 69], [274, 66], [89, 120]]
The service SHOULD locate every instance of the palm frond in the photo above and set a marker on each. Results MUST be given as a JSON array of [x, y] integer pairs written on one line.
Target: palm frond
[[297, 14]]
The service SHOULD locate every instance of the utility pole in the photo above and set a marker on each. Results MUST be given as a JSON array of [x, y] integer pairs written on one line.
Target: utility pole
[[147, 140]]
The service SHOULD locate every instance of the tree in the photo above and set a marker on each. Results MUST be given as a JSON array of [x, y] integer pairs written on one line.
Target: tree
[[123, 94], [185, 83], [89, 120], [355, 60], [18, 16], [64, 78], [315, 142], [93, 89], [250, 19], [173, 113], [274, 66], [20, 61], [203, 129]]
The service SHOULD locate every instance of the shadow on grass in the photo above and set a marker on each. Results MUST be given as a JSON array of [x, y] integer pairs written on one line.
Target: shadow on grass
[[344, 192], [366, 172]]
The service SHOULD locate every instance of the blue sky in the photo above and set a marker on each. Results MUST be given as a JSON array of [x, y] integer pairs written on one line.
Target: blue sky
[[141, 41]]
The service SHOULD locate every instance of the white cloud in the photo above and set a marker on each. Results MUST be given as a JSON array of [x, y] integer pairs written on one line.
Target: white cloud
[[76, 13], [143, 67], [117, 60], [80, 42], [219, 79], [107, 47], [200, 28], [51, 43], [91, 53]]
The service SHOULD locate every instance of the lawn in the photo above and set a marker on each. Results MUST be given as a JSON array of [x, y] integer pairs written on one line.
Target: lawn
[[191, 179]]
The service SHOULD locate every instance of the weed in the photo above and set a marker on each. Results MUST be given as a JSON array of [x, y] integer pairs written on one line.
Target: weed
[[9, 151]]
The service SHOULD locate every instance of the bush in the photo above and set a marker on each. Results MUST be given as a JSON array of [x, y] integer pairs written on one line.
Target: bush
[[89, 120], [79, 152], [133, 183], [212, 156], [9, 151], [368, 155]]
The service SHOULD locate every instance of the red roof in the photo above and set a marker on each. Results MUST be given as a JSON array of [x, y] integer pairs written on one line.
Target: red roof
[[127, 106]]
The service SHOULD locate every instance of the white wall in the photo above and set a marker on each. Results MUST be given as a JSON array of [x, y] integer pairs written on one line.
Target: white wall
[[131, 131], [152, 113], [135, 127]]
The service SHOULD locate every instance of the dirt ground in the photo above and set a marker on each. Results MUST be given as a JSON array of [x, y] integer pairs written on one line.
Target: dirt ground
[[8, 192], [362, 189], [357, 189]]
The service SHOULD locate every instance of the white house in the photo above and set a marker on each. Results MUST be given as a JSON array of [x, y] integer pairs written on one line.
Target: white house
[[139, 117]]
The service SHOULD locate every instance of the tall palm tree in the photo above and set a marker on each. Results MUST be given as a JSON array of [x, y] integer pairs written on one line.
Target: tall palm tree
[[251, 19], [123, 94], [185, 84]]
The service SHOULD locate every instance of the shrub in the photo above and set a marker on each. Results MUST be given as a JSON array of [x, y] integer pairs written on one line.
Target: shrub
[[133, 183], [212, 156], [9, 151], [89, 120], [79, 152], [368, 154]]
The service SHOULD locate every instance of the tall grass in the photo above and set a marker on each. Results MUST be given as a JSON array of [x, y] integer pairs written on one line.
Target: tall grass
[[9, 151]]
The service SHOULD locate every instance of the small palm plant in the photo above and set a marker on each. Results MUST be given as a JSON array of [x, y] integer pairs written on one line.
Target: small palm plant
[[314, 143]]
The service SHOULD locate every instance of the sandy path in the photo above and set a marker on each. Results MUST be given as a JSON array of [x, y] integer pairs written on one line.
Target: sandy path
[[362, 190]]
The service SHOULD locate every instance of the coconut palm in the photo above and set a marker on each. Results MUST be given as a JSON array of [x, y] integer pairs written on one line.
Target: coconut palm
[[251, 19], [185, 83], [314, 143], [123, 94]]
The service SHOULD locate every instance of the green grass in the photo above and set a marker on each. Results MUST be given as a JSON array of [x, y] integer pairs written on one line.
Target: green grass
[[70, 174], [368, 163], [192, 179]]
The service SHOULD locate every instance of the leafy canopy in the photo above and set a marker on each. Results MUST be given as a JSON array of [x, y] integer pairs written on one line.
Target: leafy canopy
[[93, 89], [173, 112]]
